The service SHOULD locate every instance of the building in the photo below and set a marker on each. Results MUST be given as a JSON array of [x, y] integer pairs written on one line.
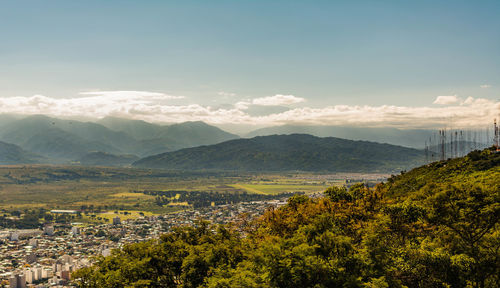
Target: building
[[33, 243], [14, 236], [17, 281], [48, 230], [63, 211], [75, 230], [65, 275], [26, 233]]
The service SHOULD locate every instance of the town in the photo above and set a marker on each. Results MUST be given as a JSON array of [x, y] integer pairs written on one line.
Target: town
[[47, 258]]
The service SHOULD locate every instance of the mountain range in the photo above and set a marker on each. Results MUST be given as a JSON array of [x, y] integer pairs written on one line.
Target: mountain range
[[295, 152], [62, 141], [196, 145]]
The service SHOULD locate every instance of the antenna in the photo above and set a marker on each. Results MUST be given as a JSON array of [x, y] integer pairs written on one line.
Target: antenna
[[496, 135]]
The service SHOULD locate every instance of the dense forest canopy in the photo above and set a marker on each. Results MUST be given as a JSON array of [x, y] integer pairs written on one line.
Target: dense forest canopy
[[434, 226]]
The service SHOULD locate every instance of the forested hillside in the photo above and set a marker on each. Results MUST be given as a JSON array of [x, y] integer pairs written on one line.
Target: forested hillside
[[290, 153], [434, 226]]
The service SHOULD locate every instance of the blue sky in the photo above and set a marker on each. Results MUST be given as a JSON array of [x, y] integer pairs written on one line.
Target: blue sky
[[216, 54]]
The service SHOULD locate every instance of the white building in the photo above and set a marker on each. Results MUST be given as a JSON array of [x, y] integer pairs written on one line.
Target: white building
[[75, 230], [48, 230]]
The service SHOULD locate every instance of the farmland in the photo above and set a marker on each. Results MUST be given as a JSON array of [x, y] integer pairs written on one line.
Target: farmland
[[108, 189]]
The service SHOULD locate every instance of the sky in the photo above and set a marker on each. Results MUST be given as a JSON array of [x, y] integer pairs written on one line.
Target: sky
[[406, 64]]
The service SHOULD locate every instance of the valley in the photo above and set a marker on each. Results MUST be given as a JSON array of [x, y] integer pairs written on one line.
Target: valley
[[71, 187]]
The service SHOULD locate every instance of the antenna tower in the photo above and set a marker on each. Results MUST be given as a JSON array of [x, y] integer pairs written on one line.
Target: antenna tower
[[496, 135]]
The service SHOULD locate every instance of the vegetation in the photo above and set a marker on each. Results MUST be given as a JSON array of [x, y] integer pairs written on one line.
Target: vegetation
[[297, 152], [96, 190], [200, 199], [71, 187], [430, 227]]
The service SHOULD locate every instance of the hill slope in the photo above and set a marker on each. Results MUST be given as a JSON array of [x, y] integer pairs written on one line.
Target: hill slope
[[12, 154], [481, 167], [444, 234], [288, 153]]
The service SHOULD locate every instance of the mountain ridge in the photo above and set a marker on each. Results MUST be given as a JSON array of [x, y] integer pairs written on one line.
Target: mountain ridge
[[11, 154], [63, 141], [299, 152], [413, 138]]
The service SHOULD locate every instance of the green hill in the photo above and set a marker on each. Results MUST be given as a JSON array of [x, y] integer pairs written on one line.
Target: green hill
[[435, 226], [289, 153], [481, 167]]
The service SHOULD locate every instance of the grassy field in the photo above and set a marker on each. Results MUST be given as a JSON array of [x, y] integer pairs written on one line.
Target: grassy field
[[276, 188], [110, 189]]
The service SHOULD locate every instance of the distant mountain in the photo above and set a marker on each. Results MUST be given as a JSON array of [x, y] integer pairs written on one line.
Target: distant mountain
[[289, 153], [54, 138], [136, 128], [191, 134], [67, 140], [12, 154], [106, 159], [155, 138], [6, 119], [414, 138]]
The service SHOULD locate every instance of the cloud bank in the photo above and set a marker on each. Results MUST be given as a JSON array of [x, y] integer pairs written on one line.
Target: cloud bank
[[278, 100], [452, 111], [446, 100]]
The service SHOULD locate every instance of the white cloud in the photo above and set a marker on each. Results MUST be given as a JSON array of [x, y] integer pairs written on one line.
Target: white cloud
[[485, 86], [148, 106], [125, 95], [277, 100], [476, 113], [242, 105], [226, 94], [446, 100]]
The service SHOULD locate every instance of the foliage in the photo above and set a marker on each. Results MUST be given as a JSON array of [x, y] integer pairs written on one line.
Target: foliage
[[289, 153], [203, 199], [442, 231]]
